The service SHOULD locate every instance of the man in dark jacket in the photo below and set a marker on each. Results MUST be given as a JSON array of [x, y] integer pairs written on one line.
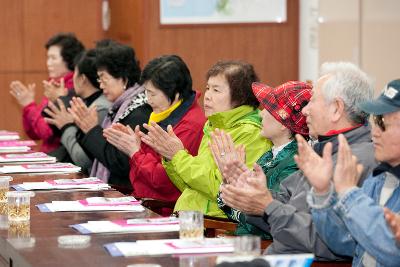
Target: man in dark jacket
[[333, 109]]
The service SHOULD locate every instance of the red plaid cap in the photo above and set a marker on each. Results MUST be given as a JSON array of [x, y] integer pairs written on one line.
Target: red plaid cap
[[285, 103]]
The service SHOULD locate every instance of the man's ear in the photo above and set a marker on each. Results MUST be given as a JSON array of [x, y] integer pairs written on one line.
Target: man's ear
[[338, 109]]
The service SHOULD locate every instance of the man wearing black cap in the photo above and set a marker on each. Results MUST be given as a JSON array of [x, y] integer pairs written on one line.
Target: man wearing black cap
[[350, 219]]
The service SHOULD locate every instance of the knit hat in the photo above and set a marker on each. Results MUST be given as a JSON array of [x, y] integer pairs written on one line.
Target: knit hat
[[285, 103], [387, 102]]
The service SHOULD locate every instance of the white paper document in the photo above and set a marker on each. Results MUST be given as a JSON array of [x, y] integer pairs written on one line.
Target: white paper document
[[14, 149], [170, 246], [28, 157], [88, 204], [41, 168], [164, 224], [16, 146], [7, 135], [91, 183]]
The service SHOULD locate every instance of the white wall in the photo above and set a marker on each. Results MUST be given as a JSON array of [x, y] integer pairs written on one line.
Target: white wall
[[365, 32]]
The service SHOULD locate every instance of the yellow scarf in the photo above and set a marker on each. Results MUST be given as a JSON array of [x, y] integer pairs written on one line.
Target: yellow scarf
[[157, 117]]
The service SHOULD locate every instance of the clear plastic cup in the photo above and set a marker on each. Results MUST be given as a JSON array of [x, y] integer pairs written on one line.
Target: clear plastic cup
[[19, 206], [247, 245], [4, 187], [191, 225]]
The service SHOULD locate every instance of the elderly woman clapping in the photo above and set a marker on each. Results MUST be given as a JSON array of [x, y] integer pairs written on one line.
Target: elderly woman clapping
[[282, 119], [229, 104], [168, 86]]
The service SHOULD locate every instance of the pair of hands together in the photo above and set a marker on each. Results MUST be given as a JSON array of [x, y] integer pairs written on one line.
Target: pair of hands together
[[165, 143], [84, 117], [242, 189], [25, 94], [246, 190]]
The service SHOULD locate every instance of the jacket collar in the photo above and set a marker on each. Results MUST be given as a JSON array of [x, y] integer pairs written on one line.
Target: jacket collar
[[90, 99], [230, 118], [385, 167], [180, 111], [356, 135]]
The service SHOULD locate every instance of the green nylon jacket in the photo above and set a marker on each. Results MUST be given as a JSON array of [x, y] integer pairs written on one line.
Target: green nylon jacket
[[198, 177]]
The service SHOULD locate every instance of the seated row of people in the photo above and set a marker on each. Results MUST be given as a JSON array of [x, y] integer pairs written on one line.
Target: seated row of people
[[157, 142]]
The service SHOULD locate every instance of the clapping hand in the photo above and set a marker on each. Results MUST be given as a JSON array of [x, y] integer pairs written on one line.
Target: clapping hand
[[59, 116], [249, 193], [165, 143], [85, 118], [22, 93], [224, 151], [393, 221], [347, 170], [317, 170], [53, 89], [123, 138]]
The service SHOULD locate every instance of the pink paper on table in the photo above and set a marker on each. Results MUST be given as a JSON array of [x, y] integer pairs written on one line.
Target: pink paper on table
[[17, 143], [6, 133], [49, 165], [26, 156], [86, 203], [143, 222], [73, 182]]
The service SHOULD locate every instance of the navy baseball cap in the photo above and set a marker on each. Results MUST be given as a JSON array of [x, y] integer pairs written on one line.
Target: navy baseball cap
[[387, 102]]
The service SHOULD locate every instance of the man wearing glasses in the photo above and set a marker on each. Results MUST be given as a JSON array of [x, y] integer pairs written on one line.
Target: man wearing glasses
[[350, 219]]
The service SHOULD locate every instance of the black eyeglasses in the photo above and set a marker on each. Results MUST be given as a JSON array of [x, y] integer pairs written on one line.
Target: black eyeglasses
[[380, 122]]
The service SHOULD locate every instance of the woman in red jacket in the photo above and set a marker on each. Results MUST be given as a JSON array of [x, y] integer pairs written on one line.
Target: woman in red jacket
[[168, 86], [61, 52]]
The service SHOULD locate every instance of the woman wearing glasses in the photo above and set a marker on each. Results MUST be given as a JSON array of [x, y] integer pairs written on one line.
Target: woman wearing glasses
[[119, 72]]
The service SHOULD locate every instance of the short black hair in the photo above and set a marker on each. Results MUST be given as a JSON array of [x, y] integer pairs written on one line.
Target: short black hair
[[170, 74], [104, 43], [239, 75], [70, 47], [86, 64], [120, 62]]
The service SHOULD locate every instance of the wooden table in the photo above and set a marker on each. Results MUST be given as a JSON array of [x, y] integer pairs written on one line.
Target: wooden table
[[39, 246], [42, 248]]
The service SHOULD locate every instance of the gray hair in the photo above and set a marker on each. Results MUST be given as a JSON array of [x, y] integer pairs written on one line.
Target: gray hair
[[349, 83]]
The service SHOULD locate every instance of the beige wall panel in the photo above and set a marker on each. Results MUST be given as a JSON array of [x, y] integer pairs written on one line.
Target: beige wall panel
[[381, 40]]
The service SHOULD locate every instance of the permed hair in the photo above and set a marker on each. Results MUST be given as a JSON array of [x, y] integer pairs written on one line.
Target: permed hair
[[120, 62], [70, 46], [239, 75]]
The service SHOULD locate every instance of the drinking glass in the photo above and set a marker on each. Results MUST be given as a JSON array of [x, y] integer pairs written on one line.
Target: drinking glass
[[191, 225], [19, 206], [247, 245], [4, 186]]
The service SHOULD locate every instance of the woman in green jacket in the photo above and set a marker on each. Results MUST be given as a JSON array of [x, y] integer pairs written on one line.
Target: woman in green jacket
[[281, 120], [229, 104]]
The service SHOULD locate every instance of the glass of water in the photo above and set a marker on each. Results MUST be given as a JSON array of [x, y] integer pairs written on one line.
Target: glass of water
[[247, 245], [191, 224]]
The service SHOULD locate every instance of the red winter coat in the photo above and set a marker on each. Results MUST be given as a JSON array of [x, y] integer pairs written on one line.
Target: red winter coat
[[147, 174], [34, 124]]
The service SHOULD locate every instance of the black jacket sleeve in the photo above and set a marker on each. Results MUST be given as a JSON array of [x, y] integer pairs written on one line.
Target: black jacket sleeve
[[113, 159]]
